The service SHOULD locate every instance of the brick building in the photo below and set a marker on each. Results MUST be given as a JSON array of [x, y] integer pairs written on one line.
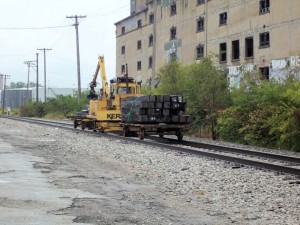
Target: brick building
[[248, 34]]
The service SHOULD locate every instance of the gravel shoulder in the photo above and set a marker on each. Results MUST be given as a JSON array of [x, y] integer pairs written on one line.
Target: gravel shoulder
[[126, 183]]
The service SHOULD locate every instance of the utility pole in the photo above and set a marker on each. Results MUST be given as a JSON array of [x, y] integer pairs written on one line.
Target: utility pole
[[78, 57], [37, 77], [4, 89], [45, 84], [29, 64]]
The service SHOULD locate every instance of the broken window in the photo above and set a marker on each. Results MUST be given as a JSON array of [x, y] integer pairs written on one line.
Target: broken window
[[173, 33], [150, 61], [123, 69], [249, 47], [151, 18], [236, 50], [200, 24], [200, 2], [139, 44], [264, 6], [223, 52], [173, 9], [264, 40], [264, 72], [223, 18], [139, 23], [199, 51], [139, 65], [123, 50], [151, 40]]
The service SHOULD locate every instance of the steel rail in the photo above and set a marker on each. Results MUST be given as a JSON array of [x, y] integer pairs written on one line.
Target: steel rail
[[235, 150], [240, 161]]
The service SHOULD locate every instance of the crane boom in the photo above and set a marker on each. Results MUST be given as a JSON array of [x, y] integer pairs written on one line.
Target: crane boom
[[100, 67]]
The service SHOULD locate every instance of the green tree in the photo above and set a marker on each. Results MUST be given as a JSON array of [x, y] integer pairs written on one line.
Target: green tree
[[206, 92], [171, 79], [18, 84], [62, 104]]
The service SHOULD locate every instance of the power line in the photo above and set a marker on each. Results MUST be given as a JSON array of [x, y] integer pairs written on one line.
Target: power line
[[32, 28], [78, 56]]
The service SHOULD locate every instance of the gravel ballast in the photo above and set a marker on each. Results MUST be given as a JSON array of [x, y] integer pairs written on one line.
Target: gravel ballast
[[146, 185]]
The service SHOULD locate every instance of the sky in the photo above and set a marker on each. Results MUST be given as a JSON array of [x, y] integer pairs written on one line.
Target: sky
[[25, 27]]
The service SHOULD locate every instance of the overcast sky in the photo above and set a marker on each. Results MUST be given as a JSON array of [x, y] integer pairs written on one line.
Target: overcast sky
[[96, 37]]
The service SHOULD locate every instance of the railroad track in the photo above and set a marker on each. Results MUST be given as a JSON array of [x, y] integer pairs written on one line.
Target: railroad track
[[281, 164]]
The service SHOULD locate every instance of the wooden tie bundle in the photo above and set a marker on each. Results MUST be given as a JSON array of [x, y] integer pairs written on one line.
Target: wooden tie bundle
[[169, 109]]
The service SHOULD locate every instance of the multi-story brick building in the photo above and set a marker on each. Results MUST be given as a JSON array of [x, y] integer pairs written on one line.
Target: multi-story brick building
[[248, 34]]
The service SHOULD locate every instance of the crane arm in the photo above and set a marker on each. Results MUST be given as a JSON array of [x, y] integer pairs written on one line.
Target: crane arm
[[103, 76], [100, 67]]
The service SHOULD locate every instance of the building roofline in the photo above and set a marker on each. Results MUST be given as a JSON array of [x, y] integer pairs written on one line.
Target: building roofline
[[132, 15]]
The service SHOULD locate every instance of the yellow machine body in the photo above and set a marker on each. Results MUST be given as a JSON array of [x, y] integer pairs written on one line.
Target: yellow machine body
[[105, 110]]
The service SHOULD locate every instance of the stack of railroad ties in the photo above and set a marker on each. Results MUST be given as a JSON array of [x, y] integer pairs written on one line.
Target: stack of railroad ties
[[169, 109]]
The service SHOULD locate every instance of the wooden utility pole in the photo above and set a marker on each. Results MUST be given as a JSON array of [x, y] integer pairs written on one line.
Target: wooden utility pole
[[29, 64], [37, 77], [4, 89], [78, 56], [45, 83]]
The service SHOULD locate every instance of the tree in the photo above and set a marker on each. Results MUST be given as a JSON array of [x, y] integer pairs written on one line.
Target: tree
[[171, 79], [19, 84], [206, 92]]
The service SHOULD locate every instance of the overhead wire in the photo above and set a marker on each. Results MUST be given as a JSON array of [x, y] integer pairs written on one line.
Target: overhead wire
[[33, 28]]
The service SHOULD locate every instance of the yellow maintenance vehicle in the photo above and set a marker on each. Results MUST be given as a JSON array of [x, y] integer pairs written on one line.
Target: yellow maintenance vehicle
[[104, 112], [120, 107]]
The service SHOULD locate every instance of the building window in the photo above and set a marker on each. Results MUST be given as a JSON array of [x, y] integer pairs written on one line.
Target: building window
[[249, 47], [200, 24], [150, 61], [199, 51], [264, 6], [173, 9], [150, 40], [236, 50], [139, 23], [123, 69], [123, 50], [139, 65], [173, 56], [139, 44], [151, 18], [264, 72], [200, 2], [223, 18], [123, 30], [264, 40], [223, 52], [173, 33]]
